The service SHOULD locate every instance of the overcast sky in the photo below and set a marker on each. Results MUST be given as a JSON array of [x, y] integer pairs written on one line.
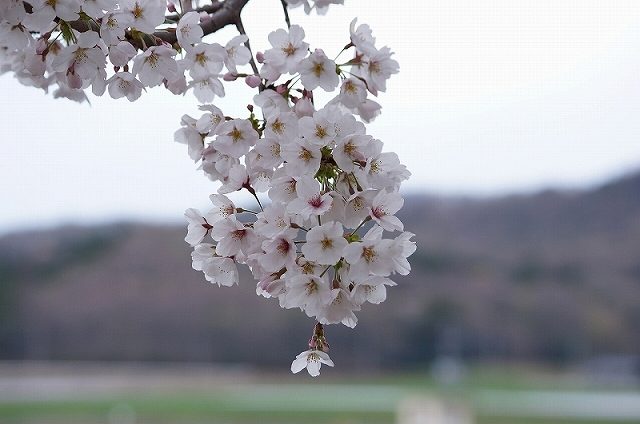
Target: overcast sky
[[492, 98]]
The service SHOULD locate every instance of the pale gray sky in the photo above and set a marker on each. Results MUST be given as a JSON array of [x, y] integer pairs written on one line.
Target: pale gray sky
[[491, 98]]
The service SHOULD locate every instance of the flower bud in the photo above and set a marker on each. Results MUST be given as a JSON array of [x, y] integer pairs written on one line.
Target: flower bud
[[303, 107], [252, 81], [230, 76], [260, 57], [204, 16], [313, 342]]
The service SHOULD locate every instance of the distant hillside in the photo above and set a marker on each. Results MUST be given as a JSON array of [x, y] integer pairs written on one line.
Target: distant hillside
[[553, 276]]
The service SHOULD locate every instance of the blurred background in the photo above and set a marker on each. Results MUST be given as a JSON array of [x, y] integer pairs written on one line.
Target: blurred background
[[521, 126]]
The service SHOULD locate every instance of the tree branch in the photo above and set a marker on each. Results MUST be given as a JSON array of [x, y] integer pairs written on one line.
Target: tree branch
[[286, 13]]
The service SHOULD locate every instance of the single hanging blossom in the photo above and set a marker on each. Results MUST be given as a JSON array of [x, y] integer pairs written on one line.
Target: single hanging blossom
[[312, 360]]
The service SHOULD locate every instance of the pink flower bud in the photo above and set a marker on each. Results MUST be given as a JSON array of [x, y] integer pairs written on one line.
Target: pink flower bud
[[230, 77], [303, 107], [281, 89], [171, 7], [260, 57], [313, 342], [252, 81]]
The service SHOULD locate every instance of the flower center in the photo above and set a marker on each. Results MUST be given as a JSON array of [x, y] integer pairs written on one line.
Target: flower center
[[316, 201], [318, 69], [305, 155], [201, 59], [350, 87], [277, 127], [238, 234], [289, 49], [236, 134], [137, 11], [369, 254], [80, 56], [283, 246]]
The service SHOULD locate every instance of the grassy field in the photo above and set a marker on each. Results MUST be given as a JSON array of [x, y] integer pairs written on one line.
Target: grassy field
[[157, 394]]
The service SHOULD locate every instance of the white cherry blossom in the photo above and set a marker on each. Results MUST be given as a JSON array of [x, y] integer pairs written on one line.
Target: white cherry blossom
[[205, 60], [114, 25], [279, 253], [232, 237], [325, 243], [121, 53], [84, 59], [288, 49], [235, 138], [340, 310], [310, 200], [372, 289], [383, 208], [221, 271], [308, 292], [317, 70], [147, 14], [302, 157], [188, 31], [236, 53], [198, 227], [209, 121], [154, 65], [312, 360], [124, 84]]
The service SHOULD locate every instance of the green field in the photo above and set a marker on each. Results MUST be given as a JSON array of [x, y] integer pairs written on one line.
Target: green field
[[98, 393]]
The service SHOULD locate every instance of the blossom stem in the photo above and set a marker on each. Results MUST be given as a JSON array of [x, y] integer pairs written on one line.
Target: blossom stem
[[325, 271], [367, 219], [286, 14]]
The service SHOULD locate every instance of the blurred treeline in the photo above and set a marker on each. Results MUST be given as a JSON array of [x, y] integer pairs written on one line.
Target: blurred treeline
[[551, 277]]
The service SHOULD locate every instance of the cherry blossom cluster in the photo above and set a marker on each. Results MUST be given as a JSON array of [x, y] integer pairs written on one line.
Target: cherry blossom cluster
[[67, 44], [321, 242], [324, 238]]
